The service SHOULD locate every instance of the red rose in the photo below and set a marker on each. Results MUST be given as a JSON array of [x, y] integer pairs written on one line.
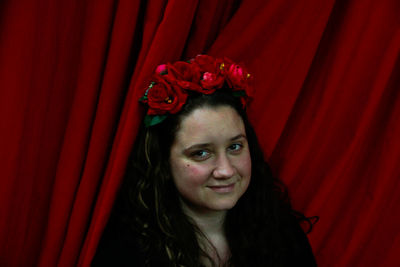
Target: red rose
[[184, 74], [237, 77], [207, 63], [212, 77], [184, 71], [211, 82], [164, 97]]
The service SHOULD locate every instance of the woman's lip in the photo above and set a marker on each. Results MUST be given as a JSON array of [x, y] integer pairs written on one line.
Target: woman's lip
[[222, 188]]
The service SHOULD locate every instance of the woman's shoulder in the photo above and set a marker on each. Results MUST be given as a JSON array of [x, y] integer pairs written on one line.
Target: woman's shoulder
[[301, 251]]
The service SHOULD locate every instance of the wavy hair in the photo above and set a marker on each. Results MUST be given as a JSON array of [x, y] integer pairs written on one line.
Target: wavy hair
[[258, 228]]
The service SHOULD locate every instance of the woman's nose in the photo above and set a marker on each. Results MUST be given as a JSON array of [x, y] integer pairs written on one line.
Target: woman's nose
[[224, 167]]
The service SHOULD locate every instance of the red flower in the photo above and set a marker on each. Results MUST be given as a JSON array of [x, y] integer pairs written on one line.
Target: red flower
[[184, 74], [212, 76], [237, 77], [206, 63], [203, 74], [164, 97], [211, 82]]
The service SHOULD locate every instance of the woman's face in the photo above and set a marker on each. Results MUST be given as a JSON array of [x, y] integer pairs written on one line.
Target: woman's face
[[210, 159]]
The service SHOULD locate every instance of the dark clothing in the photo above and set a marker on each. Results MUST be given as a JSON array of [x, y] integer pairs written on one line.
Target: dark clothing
[[118, 248]]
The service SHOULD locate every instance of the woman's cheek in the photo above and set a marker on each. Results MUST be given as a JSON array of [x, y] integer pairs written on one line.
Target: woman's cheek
[[196, 173]]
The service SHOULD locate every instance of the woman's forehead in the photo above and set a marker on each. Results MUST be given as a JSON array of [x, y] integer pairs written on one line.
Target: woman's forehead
[[209, 123]]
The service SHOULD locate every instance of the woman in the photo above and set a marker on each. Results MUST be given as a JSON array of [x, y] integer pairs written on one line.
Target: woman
[[198, 192]]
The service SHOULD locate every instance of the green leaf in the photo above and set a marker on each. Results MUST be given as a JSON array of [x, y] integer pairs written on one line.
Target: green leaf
[[153, 120]]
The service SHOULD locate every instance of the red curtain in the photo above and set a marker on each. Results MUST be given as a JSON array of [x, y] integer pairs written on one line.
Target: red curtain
[[327, 112]]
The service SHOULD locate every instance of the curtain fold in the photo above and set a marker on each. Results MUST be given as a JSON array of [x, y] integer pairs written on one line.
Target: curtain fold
[[326, 110]]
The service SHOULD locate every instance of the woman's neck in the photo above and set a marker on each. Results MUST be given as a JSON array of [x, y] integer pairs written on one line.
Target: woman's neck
[[208, 221], [211, 224]]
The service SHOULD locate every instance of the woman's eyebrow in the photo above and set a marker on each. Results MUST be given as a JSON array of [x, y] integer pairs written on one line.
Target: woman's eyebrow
[[238, 137]]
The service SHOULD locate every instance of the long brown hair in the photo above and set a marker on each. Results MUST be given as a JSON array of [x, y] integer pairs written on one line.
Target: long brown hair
[[258, 228]]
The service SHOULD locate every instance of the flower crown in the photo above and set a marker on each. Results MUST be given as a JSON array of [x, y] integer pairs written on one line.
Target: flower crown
[[173, 83]]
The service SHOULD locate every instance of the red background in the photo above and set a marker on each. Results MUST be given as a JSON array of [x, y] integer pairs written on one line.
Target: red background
[[326, 109]]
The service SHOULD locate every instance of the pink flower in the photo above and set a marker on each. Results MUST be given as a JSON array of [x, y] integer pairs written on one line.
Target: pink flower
[[161, 69]]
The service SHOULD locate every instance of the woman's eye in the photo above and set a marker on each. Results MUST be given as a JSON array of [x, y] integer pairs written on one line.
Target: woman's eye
[[200, 154], [235, 147]]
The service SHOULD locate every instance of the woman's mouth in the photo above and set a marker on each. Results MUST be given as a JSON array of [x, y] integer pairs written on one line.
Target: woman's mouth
[[223, 188]]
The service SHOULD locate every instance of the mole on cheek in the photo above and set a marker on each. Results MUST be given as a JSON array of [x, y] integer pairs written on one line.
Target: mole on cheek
[[187, 165]]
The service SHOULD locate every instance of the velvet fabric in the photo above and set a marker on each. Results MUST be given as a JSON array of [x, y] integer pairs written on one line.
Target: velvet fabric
[[326, 110]]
